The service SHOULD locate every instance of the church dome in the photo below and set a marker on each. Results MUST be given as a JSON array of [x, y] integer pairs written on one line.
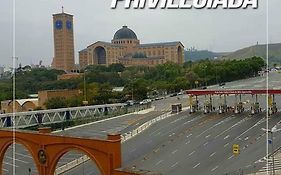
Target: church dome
[[125, 33]]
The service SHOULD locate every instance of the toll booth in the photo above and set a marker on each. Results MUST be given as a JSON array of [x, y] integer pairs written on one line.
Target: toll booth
[[238, 108], [223, 105], [207, 107], [193, 104], [272, 105], [255, 108], [176, 108]]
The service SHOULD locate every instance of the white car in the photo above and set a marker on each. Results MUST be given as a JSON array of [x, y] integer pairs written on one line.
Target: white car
[[145, 101]]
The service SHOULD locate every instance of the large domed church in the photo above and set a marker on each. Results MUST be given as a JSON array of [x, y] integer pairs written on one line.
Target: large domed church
[[125, 48]]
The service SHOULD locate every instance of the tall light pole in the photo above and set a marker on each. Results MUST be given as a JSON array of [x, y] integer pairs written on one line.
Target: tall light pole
[[271, 131], [205, 68], [85, 102]]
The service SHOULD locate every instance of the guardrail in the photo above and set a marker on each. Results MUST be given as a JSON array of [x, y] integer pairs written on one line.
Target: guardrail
[[32, 118]]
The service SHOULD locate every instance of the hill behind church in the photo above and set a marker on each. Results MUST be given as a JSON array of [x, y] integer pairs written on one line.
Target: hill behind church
[[274, 53]]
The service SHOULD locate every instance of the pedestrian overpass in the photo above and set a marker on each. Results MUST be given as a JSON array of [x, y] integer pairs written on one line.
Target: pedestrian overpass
[[44, 117]]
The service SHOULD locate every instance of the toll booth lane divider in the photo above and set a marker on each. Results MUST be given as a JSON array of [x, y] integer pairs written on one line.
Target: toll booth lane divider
[[124, 138]]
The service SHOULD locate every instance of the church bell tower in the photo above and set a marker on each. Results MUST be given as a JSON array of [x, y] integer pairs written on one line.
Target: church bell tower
[[63, 42]]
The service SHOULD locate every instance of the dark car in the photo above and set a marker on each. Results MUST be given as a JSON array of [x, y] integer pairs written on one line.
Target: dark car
[[204, 87], [221, 84]]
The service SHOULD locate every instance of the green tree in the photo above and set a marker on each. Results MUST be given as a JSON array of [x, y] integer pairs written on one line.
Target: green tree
[[55, 103]]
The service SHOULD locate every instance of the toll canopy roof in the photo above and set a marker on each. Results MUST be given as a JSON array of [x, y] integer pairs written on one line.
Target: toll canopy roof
[[233, 91]]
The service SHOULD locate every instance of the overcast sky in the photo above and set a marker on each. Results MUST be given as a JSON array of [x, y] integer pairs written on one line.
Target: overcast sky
[[216, 30]]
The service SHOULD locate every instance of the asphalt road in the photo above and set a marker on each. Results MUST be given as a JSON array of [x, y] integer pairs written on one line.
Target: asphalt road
[[182, 144]]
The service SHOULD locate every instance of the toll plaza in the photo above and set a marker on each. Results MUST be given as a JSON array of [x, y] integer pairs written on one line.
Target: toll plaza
[[208, 100]]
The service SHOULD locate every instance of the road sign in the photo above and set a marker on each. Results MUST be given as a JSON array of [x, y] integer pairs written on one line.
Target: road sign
[[235, 149], [269, 141]]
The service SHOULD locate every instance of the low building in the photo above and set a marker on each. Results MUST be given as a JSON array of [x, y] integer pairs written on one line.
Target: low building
[[21, 105]]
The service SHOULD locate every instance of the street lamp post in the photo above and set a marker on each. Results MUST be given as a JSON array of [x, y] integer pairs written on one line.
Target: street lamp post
[[85, 102], [205, 71]]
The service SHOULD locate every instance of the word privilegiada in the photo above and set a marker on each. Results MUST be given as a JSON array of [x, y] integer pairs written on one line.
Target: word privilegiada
[[187, 4]]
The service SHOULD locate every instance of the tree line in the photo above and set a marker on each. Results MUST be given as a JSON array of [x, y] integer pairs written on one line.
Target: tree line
[[138, 81]]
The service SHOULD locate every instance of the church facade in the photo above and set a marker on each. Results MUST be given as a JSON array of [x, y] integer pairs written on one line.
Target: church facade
[[125, 48]]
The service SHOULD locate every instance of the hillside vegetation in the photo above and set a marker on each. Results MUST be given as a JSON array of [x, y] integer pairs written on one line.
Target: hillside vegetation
[[274, 53]]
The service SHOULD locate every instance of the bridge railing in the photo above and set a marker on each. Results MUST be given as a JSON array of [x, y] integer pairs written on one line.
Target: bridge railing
[[32, 118]]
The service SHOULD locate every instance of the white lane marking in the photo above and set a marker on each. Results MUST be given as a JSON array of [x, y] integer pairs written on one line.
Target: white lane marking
[[172, 134], [159, 162], [256, 124], [226, 137], [24, 155], [205, 143], [5, 169], [133, 150], [226, 145], [18, 160], [174, 151], [230, 157], [187, 142], [196, 165], [214, 168], [208, 136], [241, 121], [7, 163], [228, 118], [174, 164], [189, 135], [191, 153], [212, 154]]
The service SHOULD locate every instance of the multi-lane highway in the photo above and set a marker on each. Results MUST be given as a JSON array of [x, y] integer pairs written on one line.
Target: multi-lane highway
[[184, 143]]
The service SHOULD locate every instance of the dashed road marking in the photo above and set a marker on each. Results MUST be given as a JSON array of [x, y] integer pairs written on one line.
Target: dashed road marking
[[174, 164], [215, 168], [159, 162], [191, 153], [212, 154], [196, 165], [230, 157]]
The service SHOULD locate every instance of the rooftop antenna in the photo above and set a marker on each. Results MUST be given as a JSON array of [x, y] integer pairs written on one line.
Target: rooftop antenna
[[62, 9]]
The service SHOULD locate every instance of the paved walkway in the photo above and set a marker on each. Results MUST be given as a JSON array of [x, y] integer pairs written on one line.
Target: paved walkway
[[268, 170]]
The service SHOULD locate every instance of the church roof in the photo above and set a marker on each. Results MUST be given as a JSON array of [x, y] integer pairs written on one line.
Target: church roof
[[106, 43], [125, 33], [161, 44]]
